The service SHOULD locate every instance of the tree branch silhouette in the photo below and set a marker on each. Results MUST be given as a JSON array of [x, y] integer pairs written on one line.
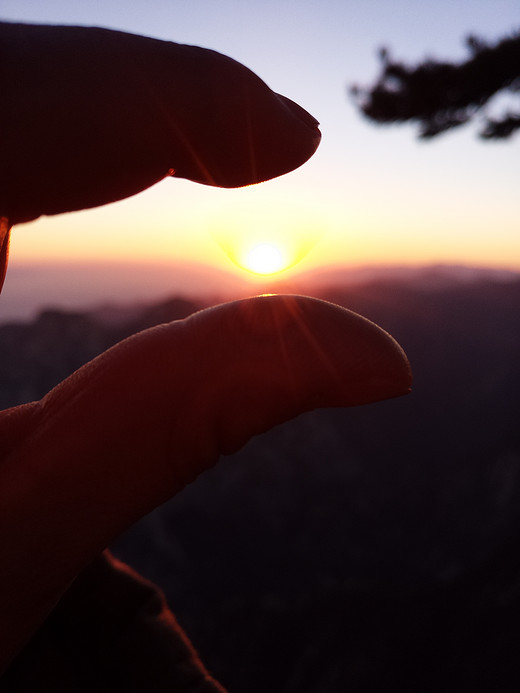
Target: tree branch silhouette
[[440, 96]]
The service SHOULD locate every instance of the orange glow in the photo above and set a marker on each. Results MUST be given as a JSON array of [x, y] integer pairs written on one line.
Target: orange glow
[[265, 256], [265, 246], [186, 224]]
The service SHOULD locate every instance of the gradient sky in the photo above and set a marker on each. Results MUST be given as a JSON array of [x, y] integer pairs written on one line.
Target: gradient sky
[[369, 196]]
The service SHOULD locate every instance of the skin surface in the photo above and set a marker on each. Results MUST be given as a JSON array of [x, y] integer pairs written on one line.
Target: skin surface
[[133, 427], [101, 116], [94, 116]]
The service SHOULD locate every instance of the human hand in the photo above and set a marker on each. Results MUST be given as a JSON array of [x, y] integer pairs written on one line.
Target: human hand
[[93, 116], [131, 428]]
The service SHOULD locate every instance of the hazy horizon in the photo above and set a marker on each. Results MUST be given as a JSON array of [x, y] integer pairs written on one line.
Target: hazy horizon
[[32, 287]]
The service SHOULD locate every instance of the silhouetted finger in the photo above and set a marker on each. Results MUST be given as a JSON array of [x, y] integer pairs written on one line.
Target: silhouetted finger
[[5, 232], [133, 427], [90, 116]]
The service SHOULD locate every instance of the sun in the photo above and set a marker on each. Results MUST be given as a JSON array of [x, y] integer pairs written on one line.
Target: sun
[[264, 252], [264, 258]]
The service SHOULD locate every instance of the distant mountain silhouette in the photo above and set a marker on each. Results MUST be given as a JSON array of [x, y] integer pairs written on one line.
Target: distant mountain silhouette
[[431, 276], [117, 287], [366, 549], [31, 288]]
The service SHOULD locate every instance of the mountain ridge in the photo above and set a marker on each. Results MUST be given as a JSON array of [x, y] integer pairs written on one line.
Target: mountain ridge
[[80, 287]]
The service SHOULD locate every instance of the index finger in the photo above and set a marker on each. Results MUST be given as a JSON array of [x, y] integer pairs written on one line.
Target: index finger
[[91, 116]]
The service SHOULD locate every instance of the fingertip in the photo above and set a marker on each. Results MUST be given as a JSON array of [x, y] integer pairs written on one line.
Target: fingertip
[[274, 357], [340, 357]]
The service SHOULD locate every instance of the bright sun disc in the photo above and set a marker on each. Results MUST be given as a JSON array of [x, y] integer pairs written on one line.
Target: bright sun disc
[[264, 258]]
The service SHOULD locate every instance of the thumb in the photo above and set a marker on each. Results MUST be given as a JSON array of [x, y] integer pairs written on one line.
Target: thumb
[[135, 425]]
